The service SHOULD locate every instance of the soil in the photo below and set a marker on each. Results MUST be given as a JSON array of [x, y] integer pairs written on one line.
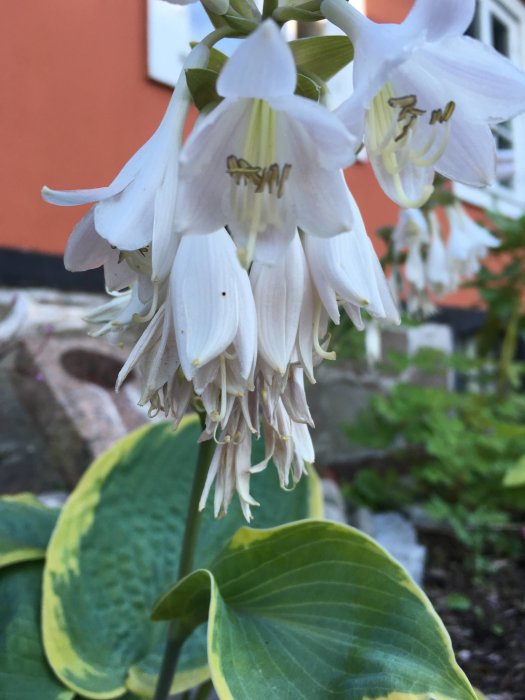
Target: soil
[[488, 632]]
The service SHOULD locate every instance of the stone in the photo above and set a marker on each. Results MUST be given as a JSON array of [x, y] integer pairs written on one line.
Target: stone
[[334, 503], [66, 385], [398, 536]]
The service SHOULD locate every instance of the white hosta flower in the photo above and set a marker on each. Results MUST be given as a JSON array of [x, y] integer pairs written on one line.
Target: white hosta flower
[[412, 233], [265, 161], [467, 243], [346, 271], [411, 228], [278, 291], [138, 207], [214, 316], [437, 264], [425, 96]]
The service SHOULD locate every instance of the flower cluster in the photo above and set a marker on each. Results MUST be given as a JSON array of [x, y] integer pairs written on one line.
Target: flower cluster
[[227, 256], [432, 267]]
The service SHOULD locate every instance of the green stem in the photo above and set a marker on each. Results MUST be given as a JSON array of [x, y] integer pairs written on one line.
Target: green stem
[[269, 8], [178, 633]]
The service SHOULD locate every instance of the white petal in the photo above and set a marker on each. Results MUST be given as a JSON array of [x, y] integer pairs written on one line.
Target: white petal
[[306, 326], [470, 156], [262, 66], [303, 442], [205, 298], [486, 85], [415, 268], [440, 19], [246, 339], [85, 249], [273, 241], [126, 220], [118, 275], [437, 266], [278, 291], [321, 201], [325, 138], [150, 335], [203, 180], [410, 187]]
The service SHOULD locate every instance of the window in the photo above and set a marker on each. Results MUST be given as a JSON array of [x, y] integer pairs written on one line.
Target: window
[[501, 24]]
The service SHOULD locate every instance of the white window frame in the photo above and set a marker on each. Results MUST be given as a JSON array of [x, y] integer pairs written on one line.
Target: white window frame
[[507, 200]]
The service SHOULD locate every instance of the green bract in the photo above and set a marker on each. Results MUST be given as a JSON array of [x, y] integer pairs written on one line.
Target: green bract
[[323, 56], [316, 610], [116, 548]]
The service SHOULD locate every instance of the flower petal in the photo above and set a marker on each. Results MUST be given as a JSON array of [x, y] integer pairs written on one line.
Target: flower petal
[[486, 85], [262, 66], [206, 298], [470, 156], [327, 139], [440, 19], [203, 180], [85, 249], [278, 292], [321, 202]]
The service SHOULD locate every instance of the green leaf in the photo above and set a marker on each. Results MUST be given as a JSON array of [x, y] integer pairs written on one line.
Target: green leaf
[[24, 672], [115, 549], [306, 87], [516, 474], [317, 610], [25, 528], [202, 85], [323, 56]]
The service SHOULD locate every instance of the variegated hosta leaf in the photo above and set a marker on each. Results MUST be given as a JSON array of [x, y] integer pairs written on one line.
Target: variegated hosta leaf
[[317, 611], [116, 548], [24, 672], [25, 528]]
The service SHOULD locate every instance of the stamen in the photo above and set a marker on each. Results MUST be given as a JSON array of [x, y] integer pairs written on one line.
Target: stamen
[[243, 173], [441, 116], [153, 308], [317, 347]]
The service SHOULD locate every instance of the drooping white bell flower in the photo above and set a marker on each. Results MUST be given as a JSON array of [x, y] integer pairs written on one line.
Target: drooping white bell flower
[[346, 271], [437, 264], [411, 233], [425, 96], [265, 161], [278, 291], [138, 208], [214, 316], [467, 243]]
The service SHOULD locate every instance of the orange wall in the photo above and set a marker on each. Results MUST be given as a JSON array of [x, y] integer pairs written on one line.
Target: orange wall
[[388, 10], [76, 103]]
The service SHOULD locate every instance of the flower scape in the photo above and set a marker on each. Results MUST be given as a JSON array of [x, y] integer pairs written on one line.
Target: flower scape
[[227, 257]]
